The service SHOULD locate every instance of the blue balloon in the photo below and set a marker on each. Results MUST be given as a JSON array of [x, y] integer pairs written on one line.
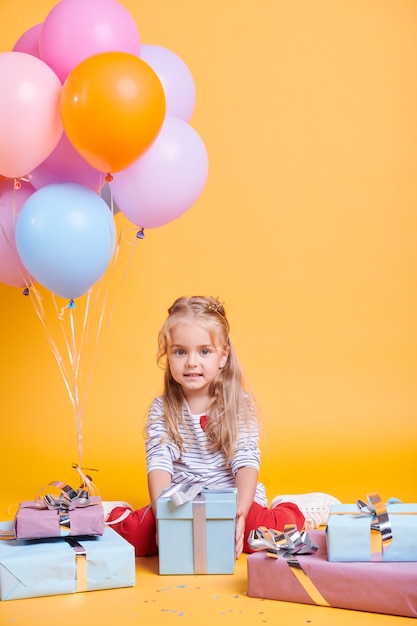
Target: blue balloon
[[65, 236]]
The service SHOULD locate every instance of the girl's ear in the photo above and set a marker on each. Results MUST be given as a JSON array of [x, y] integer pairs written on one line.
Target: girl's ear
[[224, 358]]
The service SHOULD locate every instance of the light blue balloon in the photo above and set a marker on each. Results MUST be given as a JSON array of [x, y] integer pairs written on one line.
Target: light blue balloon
[[65, 236]]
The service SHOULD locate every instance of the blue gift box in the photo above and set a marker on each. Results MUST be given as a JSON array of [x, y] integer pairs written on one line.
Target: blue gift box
[[198, 536], [354, 536], [46, 567]]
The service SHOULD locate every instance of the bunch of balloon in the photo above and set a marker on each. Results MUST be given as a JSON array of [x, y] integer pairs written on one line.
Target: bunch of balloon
[[95, 106]]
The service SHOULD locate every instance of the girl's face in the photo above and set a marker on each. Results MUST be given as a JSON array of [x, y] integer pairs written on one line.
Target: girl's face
[[194, 361]]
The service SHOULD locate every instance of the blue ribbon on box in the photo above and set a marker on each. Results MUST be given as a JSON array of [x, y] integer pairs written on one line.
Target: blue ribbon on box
[[288, 545]]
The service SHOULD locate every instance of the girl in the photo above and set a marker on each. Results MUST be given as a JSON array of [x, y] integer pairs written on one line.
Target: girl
[[204, 430]]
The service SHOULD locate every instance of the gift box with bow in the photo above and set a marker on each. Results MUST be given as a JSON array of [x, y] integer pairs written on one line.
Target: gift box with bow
[[46, 567], [196, 530], [60, 511], [299, 571], [372, 531]]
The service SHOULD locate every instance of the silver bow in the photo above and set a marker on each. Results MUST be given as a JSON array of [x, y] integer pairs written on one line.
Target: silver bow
[[290, 542]]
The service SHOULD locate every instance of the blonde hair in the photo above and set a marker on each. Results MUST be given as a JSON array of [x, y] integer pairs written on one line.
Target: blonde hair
[[230, 402]]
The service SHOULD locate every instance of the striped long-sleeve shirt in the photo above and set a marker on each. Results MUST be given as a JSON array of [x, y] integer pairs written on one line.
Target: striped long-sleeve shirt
[[197, 464]]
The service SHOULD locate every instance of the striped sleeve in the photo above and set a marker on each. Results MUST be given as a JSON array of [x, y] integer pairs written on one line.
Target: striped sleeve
[[160, 452], [247, 450]]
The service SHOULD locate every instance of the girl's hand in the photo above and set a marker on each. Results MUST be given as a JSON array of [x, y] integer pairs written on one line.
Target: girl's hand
[[240, 533], [245, 481]]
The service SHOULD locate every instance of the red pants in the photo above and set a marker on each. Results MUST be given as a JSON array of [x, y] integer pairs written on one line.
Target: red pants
[[139, 528]]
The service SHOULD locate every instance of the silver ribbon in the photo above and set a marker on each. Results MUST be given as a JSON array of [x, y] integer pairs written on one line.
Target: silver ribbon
[[378, 510], [381, 530], [68, 498], [80, 564], [180, 494], [287, 544]]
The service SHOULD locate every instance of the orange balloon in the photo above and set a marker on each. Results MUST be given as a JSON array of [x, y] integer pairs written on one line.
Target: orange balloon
[[112, 108]]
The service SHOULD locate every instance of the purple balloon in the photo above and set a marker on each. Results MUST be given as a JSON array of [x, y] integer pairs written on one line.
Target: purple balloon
[[29, 41], [175, 77], [167, 180]]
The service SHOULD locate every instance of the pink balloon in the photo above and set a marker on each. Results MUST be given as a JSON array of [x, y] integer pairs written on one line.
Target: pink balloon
[[29, 41], [167, 180], [76, 29], [12, 271], [66, 165], [175, 77], [30, 119]]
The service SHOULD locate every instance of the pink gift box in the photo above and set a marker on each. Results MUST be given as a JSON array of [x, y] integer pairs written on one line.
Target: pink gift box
[[389, 588], [34, 522]]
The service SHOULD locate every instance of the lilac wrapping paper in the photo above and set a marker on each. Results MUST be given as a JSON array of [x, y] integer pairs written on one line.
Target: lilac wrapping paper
[[384, 587], [32, 522]]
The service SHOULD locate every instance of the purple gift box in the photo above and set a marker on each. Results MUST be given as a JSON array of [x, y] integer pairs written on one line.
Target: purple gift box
[[33, 521], [377, 587]]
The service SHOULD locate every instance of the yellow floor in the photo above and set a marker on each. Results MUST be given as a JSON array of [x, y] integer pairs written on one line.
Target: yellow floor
[[181, 600]]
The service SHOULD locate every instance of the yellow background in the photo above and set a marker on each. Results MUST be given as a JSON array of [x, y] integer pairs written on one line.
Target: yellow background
[[306, 229]]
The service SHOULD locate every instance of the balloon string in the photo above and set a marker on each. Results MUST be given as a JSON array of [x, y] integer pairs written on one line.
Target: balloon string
[[102, 324], [84, 339], [76, 355], [77, 408], [103, 308], [40, 312], [72, 382], [94, 305], [135, 243], [70, 345], [84, 342]]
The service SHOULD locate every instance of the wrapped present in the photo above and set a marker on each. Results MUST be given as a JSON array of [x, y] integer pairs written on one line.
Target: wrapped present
[[60, 511], [32, 568], [372, 531], [196, 530], [310, 578], [34, 521]]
